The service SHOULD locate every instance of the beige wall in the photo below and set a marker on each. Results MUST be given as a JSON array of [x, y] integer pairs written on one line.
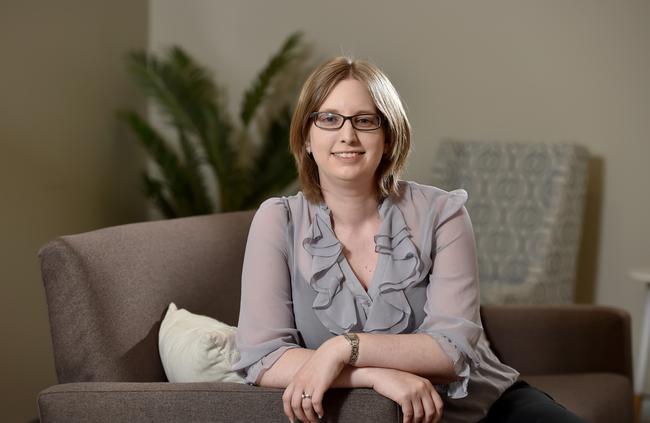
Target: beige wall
[[499, 70], [65, 164]]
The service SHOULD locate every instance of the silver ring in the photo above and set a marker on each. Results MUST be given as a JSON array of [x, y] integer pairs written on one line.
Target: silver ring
[[306, 396]]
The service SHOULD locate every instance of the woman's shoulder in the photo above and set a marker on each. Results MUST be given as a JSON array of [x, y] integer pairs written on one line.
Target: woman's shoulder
[[415, 194], [427, 207], [282, 208]]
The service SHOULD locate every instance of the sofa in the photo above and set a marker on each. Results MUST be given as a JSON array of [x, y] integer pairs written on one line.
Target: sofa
[[107, 291]]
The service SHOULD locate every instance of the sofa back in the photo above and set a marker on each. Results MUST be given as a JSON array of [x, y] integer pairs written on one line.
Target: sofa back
[[107, 290]]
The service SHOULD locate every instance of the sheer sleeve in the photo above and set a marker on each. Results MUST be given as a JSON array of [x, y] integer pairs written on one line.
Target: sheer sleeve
[[452, 308], [266, 326]]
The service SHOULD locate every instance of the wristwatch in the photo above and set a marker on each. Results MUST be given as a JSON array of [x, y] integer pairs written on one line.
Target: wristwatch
[[353, 339]]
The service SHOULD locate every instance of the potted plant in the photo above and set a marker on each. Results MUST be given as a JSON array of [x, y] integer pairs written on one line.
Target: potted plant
[[207, 143]]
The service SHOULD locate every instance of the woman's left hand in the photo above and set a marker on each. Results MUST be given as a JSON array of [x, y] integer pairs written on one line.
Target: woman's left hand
[[313, 379]]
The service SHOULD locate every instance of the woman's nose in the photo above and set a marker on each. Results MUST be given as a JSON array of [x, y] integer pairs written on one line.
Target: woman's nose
[[347, 132]]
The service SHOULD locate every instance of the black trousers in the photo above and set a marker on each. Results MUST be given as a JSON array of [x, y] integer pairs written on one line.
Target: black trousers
[[522, 403]]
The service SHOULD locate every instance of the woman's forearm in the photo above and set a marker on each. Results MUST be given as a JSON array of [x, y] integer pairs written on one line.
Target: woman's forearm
[[283, 370], [416, 353], [413, 353]]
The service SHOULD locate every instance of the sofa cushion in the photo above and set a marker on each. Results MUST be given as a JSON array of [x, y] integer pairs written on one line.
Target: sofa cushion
[[195, 348], [596, 397]]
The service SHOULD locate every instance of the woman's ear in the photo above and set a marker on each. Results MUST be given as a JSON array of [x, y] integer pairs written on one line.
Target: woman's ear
[[308, 147]]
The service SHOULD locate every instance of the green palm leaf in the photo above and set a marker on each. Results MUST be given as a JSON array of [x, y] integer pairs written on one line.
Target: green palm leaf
[[154, 189], [170, 166], [273, 166], [179, 88], [256, 94], [200, 202]]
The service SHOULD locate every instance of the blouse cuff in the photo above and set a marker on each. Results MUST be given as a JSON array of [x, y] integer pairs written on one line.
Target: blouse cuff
[[461, 361], [255, 371]]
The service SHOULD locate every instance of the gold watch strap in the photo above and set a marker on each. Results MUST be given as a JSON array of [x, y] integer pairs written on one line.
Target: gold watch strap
[[353, 339]]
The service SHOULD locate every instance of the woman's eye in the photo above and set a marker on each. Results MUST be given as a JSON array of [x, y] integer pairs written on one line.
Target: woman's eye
[[365, 121], [328, 118]]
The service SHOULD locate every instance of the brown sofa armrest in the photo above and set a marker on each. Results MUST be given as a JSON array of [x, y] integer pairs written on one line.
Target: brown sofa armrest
[[109, 402], [560, 339]]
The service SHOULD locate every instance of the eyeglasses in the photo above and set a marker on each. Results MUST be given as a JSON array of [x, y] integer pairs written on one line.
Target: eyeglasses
[[361, 122]]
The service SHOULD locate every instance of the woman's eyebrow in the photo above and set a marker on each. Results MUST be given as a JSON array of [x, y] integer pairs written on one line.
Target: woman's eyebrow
[[360, 112]]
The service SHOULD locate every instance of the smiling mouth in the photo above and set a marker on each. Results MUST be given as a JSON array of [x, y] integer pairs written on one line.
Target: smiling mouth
[[349, 154]]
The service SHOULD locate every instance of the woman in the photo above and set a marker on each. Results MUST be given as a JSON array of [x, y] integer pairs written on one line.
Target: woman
[[362, 280]]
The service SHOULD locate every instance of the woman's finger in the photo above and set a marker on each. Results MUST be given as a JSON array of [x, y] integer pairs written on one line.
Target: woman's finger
[[296, 405], [418, 410], [317, 402], [429, 408], [407, 411], [286, 403], [308, 409], [439, 404]]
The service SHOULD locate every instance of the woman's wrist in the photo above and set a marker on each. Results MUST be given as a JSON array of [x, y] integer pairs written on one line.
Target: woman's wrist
[[368, 376], [353, 340], [339, 347]]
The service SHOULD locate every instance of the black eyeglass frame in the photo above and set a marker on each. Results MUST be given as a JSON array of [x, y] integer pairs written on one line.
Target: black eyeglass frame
[[314, 115]]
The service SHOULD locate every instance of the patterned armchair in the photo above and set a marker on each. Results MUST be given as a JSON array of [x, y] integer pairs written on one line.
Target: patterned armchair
[[526, 203]]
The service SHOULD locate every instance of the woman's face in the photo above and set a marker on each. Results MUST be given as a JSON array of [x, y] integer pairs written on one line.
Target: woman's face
[[347, 155]]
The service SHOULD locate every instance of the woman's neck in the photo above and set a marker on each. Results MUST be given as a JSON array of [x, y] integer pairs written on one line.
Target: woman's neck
[[353, 207]]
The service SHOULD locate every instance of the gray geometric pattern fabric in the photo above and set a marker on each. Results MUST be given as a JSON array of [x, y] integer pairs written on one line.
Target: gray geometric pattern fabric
[[526, 204]]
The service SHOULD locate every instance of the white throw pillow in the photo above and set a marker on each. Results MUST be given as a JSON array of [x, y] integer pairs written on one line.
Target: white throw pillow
[[196, 348]]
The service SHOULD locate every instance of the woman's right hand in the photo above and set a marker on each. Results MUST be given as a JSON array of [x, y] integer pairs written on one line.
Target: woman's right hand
[[416, 395]]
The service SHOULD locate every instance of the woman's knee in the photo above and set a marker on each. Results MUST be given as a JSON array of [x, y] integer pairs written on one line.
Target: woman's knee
[[526, 404]]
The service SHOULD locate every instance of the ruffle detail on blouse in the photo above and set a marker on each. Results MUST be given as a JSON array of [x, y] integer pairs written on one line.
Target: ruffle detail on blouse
[[390, 311], [334, 307]]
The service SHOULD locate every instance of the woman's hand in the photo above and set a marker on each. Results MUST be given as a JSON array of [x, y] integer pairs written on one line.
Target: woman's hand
[[314, 378], [416, 395]]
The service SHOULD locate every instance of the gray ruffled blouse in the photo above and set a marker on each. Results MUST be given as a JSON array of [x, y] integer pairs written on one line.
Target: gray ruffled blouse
[[298, 289]]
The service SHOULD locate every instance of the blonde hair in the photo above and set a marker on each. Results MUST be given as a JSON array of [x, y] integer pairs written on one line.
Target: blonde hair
[[397, 131]]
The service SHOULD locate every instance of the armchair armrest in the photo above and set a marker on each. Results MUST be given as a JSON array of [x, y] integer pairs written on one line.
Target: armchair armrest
[[560, 339], [112, 402]]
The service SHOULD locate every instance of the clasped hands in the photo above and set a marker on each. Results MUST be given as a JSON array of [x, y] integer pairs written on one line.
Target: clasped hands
[[303, 397]]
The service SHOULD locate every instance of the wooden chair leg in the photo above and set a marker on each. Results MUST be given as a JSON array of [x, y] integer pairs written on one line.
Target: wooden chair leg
[[638, 405]]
